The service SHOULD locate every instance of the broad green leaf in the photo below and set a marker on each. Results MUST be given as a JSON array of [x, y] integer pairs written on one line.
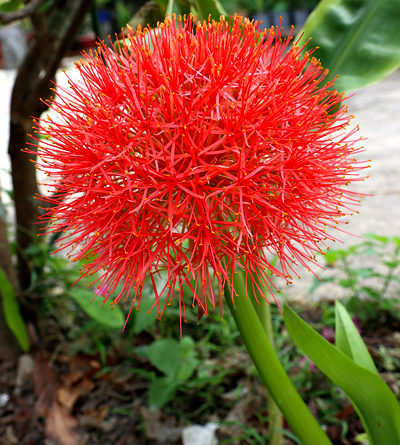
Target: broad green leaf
[[357, 39], [349, 341], [164, 355], [11, 311], [10, 5], [187, 359], [144, 317], [161, 391], [375, 403], [177, 360], [111, 317]]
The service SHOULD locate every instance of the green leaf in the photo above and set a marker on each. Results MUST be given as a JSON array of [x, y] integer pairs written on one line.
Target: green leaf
[[357, 39], [161, 391], [348, 282], [349, 341], [375, 403], [111, 317], [331, 256], [177, 360], [391, 264], [370, 291], [396, 240], [209, 7], [171, 7], [164, 355], [382, 239], [10, 5], [363, 272], [187, 359], [11, 311], [144, 319]]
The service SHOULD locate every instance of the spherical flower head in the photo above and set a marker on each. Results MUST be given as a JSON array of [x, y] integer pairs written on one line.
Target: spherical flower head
[[191, 151]]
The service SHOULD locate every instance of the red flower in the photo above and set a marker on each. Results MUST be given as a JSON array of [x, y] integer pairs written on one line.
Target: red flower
[[197, 150]]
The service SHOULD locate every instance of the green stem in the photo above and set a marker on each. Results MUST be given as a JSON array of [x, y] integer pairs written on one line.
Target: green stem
[[263, 312], [271, 371], [275, 419]]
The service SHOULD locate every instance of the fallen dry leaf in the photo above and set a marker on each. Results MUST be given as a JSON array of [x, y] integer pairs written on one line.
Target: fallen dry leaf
[[61, 427], [68, 395], [95, 418], [44, 382], [84, 365]]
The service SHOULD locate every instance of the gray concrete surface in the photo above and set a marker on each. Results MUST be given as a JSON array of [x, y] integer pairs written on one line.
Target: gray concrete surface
[[377, 111]]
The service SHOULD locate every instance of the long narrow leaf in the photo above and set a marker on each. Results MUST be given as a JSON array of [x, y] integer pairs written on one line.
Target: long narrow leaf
[[373, 400], [11, 311], [357, 39], [349, 341], [171, 8], [209, 7]]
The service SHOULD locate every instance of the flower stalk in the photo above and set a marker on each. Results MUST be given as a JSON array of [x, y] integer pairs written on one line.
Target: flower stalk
[[271, 372], [275, 419]]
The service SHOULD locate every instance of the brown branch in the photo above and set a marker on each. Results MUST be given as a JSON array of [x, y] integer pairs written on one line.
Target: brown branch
[[27, 10]]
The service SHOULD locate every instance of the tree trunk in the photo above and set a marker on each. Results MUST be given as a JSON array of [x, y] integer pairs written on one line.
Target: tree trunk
[[55, 29]]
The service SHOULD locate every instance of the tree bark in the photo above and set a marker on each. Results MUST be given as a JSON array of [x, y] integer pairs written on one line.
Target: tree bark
[[55, 29]]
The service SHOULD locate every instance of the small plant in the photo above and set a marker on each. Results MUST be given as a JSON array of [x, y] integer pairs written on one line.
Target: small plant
[[175, 360], [369, 272]]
